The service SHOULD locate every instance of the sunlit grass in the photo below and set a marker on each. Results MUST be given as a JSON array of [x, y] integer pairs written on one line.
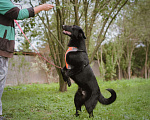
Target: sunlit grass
[[43, 101]]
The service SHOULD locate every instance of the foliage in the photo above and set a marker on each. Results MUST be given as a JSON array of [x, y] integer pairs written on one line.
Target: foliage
[[43, 101], [102, 69], [132, 40], [110, 61], [138, 62]]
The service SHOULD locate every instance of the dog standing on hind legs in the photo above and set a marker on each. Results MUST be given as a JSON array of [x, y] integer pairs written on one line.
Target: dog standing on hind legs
[[78, 69]]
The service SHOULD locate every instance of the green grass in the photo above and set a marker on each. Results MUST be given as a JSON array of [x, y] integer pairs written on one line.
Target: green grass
[[43, 101]]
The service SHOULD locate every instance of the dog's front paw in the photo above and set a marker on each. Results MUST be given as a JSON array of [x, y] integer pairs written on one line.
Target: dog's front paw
[[65, 78], [69, 82]]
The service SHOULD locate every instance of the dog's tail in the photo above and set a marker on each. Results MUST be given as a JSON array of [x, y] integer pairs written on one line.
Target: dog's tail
[[107, 101]]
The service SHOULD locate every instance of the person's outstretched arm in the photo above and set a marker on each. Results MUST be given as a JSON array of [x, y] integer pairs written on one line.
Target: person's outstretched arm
[[44, 7], [8, 9]]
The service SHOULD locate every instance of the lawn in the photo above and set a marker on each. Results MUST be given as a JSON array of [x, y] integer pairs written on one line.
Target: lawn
[[44, 101]]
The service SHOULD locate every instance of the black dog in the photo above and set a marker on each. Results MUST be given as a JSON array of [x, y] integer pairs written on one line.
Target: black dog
[[78, 68]]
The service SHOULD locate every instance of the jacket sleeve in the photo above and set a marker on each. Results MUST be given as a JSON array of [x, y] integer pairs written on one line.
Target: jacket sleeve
[[9, 10]]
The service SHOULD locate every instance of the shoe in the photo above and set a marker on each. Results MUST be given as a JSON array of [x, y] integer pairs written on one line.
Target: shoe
[[2, 118]]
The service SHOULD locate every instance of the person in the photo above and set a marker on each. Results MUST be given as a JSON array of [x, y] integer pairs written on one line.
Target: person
[[9, 12]]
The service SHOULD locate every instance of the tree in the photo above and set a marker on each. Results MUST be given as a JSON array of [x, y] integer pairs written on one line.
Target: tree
[[134, 31], [108, 15], [119, 45], [88, 14], [143, 22], [110, 61], [64, 14], [101, 64]]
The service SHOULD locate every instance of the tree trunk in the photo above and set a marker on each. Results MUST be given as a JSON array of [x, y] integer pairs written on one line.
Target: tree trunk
[[62, 83], [119, 70], [146, 67], [91, 21], [129, 69], [59, 18], [86, 22], [149, 73], [76, 12], [146, 58]]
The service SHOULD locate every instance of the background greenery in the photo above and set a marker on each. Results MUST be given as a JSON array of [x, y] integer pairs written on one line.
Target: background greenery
[[44, 101]]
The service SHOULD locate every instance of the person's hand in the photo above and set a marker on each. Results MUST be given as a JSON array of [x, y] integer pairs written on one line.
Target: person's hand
[[47, 7], [44, 7]]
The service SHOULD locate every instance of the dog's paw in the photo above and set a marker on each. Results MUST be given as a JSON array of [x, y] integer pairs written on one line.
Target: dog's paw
[[65, 78], [91, 115], [69, 83]]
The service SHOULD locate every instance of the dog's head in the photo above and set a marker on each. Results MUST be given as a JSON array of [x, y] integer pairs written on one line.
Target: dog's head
[[75, 32]]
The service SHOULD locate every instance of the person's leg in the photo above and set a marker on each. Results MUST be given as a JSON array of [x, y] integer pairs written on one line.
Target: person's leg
[[3, 72]]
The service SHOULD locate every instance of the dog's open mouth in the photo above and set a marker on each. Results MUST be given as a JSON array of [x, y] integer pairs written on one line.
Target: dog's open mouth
[[66, 32]]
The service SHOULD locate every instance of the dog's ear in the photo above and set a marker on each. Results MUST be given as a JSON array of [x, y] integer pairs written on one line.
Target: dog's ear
[[81, 34]]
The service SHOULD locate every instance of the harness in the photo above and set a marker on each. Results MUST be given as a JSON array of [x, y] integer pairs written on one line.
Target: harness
[[70, 70], [70, 49]]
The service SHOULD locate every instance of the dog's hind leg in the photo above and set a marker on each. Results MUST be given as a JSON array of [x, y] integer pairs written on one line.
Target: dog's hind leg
[[91, 103], [78, 109], [78, 104], [79, 100]]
